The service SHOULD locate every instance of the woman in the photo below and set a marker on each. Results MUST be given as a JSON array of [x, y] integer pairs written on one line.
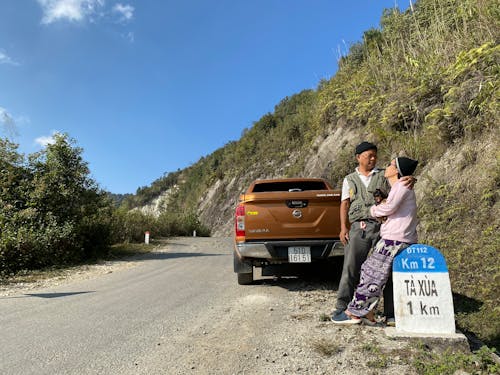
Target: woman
[[398, 231]]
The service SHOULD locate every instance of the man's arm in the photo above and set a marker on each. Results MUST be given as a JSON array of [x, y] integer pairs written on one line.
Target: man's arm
[[344, 220], [408, 181]]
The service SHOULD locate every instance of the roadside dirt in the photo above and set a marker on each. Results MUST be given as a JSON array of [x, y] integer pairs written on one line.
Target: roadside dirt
[[277, 326], [42, 280]]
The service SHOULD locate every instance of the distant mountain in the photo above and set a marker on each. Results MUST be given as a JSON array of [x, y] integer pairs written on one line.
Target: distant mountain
[[118, 199]]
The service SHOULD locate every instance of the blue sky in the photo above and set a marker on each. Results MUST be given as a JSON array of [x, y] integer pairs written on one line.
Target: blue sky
[[148, 87]]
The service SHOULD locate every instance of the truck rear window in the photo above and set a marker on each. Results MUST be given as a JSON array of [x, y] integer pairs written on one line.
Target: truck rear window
[[289, 186]]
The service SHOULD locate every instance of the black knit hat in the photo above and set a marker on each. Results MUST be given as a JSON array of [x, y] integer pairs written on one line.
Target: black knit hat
[[406, 166], [365, 146]]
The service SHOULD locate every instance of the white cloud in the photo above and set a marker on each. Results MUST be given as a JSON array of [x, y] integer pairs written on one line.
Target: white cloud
[[6, 59], [130, 36], [7, 122], [45, 140], [126, 12], [85, 10], [71, 10]]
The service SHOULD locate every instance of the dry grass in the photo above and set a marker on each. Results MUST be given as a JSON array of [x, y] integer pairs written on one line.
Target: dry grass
[[326, 347]]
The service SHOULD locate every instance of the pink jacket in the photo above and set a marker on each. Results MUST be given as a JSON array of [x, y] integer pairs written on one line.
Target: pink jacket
[[401, 211]]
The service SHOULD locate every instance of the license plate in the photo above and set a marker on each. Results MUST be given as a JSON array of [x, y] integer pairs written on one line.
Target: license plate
[[299, 254]]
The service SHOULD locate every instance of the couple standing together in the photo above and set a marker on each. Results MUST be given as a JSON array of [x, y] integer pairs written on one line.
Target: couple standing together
[[387, 226]]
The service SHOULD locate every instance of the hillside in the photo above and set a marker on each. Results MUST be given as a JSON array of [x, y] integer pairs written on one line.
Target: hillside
[[426, 84]]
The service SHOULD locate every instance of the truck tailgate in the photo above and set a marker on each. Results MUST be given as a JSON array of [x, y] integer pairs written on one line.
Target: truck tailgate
[[291, 215]]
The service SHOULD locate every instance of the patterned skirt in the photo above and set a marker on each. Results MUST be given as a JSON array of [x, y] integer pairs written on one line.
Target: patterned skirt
[[374, 274]]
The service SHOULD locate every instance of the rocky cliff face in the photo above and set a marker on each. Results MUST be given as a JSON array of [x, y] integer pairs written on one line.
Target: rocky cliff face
[[156, 205], [469, 161]]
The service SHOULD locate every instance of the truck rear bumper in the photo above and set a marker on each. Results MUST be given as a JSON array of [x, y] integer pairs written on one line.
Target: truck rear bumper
[[320, 249]]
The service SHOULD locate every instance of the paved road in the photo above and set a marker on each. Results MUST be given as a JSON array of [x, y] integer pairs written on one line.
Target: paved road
[[150, 318], [180, 311]]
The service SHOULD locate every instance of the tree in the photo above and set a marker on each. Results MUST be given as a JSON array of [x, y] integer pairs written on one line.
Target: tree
[[63, 190], [12, 175], [51, 211], [60, 179]]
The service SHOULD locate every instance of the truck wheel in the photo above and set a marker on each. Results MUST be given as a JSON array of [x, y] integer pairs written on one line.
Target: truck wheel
[[245, 278]]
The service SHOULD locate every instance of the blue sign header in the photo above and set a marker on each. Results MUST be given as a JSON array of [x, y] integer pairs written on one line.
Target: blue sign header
[[419, 258]]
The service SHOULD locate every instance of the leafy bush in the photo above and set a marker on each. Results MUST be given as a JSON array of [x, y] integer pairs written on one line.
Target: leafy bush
[[51, 212], [130, 226]]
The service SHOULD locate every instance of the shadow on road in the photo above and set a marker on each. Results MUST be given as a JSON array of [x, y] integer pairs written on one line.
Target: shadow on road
[[173, 243], [314, 276], [55, 295], [48, 295], [300, 283]]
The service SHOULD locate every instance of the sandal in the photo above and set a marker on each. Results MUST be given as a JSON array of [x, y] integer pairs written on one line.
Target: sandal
[[369, 320]]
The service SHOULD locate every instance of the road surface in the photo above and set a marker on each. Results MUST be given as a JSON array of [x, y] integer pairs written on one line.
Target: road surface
[[179, 310]]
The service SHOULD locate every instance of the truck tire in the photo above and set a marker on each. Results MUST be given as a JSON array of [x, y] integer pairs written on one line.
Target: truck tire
[[245, 278]]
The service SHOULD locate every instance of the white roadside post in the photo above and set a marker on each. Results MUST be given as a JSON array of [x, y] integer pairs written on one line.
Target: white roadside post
[[146, 237], [423, 303]]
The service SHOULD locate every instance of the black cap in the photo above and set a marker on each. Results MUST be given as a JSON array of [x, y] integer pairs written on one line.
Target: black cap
[[406, 166], [365, 146]]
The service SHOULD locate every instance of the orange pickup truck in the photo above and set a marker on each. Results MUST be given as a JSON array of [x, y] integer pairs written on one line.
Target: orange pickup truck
[[283, 223]]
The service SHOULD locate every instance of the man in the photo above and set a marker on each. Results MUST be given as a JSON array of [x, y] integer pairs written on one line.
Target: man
[[356, 200]]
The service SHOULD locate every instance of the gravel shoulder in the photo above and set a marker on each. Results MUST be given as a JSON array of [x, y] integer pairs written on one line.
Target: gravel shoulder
[[276, 326]]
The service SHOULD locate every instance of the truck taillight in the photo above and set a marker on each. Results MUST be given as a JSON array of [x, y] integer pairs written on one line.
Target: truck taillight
[[240, 221]]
